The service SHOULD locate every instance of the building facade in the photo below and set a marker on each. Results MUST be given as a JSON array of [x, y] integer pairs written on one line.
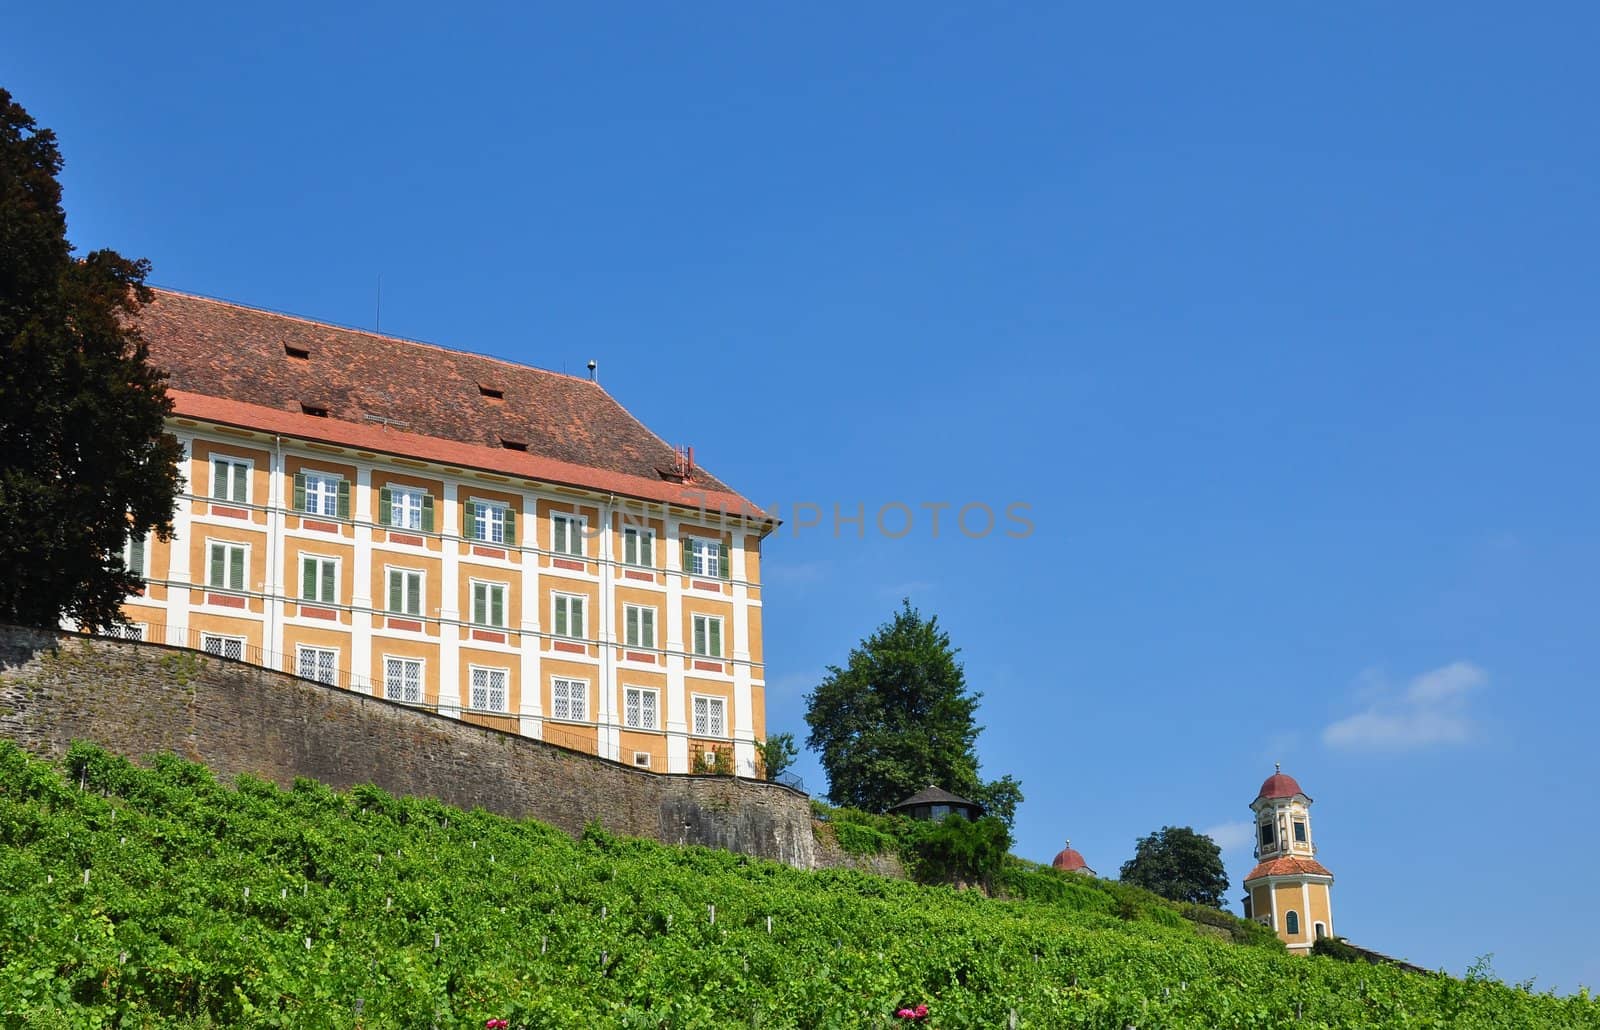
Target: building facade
[[1288, 890], [494, 542]]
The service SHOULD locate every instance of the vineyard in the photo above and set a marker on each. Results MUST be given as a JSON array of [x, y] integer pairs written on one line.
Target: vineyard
[[134, 896]]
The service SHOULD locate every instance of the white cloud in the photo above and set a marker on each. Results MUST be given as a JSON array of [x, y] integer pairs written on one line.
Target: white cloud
[[1232, 836], [1429, 710]]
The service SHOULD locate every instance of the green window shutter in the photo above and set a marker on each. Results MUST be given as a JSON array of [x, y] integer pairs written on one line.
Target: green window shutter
[[699, 634], [217, 562], [561, 616], [136, 556], [714, 631], [385, 507], [558, 534], [497, 598], [632, 632], [427, 513], [469, 514], [577, 616], [688, 553], [236, 568], [344, 499], [647, 624], [511, 527], [396, 591], [722, 559], [330, 590], [308, 578], [240, 489], [219, 479], [299, 491], [646, 539]]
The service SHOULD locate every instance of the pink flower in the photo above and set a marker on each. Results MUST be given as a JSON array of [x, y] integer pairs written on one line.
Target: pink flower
[[914, 1014], [496, 1024]]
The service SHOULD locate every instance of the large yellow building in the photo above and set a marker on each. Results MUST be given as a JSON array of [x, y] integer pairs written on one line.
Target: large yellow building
[[495, 542], [1288, 890]]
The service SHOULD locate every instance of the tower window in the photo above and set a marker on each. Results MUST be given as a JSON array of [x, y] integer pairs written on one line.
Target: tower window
[[1291, 924], [1267, 837], [1299, 831], [1321, 930]]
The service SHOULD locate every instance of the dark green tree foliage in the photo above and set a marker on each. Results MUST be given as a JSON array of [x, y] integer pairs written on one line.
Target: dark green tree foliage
[[84, 460], [777, 754], [1179, 864], [898, 717]]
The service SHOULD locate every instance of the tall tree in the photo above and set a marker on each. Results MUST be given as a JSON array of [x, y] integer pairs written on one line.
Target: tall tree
[[84, 460], [1178, 863], [898, 717]]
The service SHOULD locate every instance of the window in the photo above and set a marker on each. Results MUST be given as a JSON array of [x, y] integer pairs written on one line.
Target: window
[[1320, 930], [317, 663], [569, 615], [489, 604], [566, 534], [322, 493], [569, 699], [227, 566], [641, 759], [705, 557], [1267, 837], [133, 553], [708, 636], [125, 631], [223, 647], [402, 679], [230, 480], [639, 708], [1291, 923], [709, 717], [319, 579], [638, 546], [1300, 831], [405, 507], [405, 591], [489, 689], [639, 625], [491, 522]]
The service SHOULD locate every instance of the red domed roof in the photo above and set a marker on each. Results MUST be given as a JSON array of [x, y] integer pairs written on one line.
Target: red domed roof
[[1279, 785], [1069, 860]]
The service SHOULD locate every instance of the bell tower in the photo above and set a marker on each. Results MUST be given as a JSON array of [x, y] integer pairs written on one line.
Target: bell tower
[[1288, 890]]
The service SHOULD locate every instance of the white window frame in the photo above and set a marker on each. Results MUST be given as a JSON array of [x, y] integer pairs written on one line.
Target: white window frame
[[389, 574], [488, 602], [489, 673], [222, 642], [717, 728], [227, 563], [489, 521], [233, 464], [647, 642], [637, 536], [574, 528], [696, 634], [653, 694], [705, 557], [641, 759], [126, 631], [564, 690], [322, 561], [404, 664], [327, 663], [557, 616], [405, 507], [144, 555], [327, 493]]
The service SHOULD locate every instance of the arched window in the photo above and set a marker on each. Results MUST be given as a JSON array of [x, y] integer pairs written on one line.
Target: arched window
[[1321, 930], [1291, 923]]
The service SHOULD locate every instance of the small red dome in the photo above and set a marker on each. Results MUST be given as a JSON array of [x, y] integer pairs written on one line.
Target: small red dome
[[1279, 785], [1069, 860]]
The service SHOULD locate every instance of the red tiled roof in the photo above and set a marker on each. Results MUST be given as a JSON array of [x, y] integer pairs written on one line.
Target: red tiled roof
[[1279, 785], [1288, 866], [233, 364], [1068, 860]]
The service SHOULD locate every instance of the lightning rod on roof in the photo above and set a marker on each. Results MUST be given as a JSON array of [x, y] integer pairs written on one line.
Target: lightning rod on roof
[[377, 319], [592, 366]]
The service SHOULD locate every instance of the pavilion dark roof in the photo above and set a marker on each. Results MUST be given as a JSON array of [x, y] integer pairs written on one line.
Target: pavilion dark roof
[[931, 795]]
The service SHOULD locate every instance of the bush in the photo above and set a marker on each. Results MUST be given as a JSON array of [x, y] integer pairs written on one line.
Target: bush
[[1337, 948], [959, 850]]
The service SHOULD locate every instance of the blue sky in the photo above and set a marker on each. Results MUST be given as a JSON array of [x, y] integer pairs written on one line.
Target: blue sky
[[1281, 325]]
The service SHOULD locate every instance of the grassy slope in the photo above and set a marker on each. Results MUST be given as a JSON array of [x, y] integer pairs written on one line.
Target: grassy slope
[[207, 905]]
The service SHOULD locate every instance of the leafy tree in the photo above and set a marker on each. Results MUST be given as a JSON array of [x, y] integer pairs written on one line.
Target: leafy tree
[[899, 717], [777, 754], [1179, 864], [84, 460]]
